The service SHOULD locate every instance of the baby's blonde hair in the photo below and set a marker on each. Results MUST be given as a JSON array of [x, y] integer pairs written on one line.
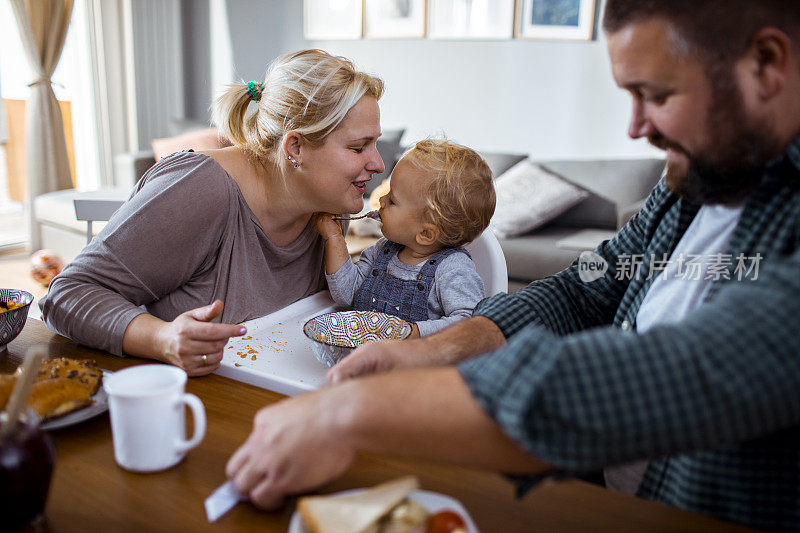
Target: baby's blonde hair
[[460, 198], [309, 92]]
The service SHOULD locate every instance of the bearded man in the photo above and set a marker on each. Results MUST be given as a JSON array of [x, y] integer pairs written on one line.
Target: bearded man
[[680, 370]]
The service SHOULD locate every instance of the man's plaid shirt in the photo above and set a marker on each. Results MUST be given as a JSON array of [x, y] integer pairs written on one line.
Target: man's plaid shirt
[[713, 400]]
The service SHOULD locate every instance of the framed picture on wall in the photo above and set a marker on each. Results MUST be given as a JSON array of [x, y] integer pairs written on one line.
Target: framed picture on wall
[[555, 19], [470, 19], [332, 19], [394, 19]]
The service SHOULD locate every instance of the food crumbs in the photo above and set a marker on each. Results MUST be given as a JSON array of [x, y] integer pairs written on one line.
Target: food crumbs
[[236, 364], [253, 358]]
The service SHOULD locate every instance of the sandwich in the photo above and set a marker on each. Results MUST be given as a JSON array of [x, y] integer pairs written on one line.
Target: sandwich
[[384, 508]]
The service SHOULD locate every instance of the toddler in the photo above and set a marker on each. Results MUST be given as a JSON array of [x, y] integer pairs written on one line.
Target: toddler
[[441, 197]]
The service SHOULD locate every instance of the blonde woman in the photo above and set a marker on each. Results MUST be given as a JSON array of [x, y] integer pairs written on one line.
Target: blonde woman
[[210, 239]]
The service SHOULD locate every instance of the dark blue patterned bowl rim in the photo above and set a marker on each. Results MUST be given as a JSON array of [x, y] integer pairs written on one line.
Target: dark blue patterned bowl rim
[[16, 295], [308, 323]]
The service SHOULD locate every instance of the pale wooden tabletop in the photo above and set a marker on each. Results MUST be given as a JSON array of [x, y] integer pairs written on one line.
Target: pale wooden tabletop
[[89, 492]]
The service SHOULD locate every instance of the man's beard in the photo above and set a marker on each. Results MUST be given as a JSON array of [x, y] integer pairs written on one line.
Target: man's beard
[[743, 147]]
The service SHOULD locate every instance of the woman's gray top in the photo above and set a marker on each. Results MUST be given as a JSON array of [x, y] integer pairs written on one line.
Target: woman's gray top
[[184, 238]]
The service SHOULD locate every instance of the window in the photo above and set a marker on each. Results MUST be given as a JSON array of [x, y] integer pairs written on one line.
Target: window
[[73, 88]]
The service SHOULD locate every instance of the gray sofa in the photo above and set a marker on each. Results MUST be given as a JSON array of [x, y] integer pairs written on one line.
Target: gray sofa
[[617, 190]]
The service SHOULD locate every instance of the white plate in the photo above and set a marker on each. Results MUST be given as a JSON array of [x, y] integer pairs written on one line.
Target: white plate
[[98, 406], [432, 501]]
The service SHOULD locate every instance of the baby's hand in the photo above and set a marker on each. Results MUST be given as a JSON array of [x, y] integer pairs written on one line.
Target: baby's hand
[[326, 226]]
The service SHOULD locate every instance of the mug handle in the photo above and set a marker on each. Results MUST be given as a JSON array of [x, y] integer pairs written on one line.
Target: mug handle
[[199, 414]]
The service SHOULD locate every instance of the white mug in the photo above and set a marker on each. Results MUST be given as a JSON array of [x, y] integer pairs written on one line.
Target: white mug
[[147, 417]]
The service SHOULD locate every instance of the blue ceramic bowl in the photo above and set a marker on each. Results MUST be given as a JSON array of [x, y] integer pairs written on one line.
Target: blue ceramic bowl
[[334, 335], [12, 322]]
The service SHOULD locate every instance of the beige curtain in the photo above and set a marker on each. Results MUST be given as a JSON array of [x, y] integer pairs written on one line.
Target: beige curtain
[[43, 28]]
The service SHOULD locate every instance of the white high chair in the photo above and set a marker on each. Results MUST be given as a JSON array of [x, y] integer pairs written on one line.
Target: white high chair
[[489, 262]]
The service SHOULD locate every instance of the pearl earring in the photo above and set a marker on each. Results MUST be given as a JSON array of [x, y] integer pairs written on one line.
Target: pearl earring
[[293, 161]]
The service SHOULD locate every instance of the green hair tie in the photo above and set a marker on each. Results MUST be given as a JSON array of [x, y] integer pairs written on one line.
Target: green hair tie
[[254, 90]]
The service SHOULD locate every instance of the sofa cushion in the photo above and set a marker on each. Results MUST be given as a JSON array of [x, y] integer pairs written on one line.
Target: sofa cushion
[[535, 256], [613, 185], [529, 196], [198, 140], [500, 162]]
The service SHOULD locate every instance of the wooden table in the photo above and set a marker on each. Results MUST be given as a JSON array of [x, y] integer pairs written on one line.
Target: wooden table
[[89, 492]]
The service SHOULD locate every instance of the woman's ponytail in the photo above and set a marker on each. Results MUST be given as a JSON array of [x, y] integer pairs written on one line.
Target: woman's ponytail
[[309, 92]]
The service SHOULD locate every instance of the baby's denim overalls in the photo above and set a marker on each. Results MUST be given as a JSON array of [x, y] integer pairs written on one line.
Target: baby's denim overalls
[[408, 299]]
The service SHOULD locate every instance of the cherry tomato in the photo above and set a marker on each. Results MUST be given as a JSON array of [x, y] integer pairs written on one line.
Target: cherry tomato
[[445, 522]]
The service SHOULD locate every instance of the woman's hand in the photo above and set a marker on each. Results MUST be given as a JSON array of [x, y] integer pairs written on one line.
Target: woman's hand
[[326, 226], [295, 446], [192, 335]]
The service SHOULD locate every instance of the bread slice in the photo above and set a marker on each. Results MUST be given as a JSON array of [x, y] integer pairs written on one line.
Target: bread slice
[[51, 398], [62, 385], [85, 371], [354, 513]]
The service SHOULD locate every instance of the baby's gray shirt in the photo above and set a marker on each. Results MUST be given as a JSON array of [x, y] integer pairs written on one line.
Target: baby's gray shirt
[[456, 290]]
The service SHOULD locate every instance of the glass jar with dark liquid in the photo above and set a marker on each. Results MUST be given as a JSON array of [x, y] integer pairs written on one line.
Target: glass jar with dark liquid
[[26, 464]]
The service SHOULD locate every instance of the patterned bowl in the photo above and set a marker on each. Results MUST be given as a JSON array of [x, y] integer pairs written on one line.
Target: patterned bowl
[[334, 335], [12, 322]]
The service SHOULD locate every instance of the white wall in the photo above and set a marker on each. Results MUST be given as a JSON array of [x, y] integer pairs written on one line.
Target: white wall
[[549, 99]]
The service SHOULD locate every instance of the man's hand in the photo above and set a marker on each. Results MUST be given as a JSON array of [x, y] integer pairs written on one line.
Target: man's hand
[[301, 443], [458, 342], [294, 447], [376, 357]]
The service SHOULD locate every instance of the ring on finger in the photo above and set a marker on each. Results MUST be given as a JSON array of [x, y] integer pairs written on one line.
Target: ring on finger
[[205, 359]]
